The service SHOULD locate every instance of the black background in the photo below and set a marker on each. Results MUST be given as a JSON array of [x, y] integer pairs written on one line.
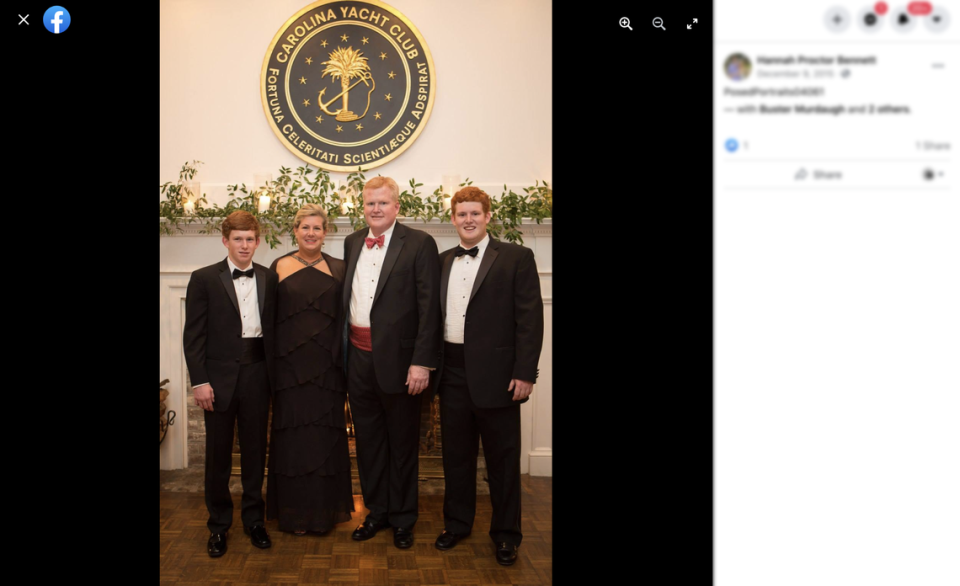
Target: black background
[[632, 274], [637, 294]]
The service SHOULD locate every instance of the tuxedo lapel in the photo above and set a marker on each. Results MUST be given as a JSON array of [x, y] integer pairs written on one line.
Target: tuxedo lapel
[[488, 257], [227, 279], [353, 255], [261, 285], [393, 252], [444, 281]]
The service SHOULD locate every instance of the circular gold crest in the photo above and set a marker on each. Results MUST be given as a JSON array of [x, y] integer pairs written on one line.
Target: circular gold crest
[[347, 84]]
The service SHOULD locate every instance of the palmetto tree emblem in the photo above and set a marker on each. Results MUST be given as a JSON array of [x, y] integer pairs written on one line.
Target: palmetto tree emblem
[[346, 64]]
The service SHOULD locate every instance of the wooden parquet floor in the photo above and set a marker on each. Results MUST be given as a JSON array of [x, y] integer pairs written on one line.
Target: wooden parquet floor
[[336, 558]]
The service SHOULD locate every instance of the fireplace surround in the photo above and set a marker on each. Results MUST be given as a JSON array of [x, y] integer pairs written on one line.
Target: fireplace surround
[[183, 253]]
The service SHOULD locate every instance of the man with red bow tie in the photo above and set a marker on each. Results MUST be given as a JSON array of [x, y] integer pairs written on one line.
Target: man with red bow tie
[[391, 302]]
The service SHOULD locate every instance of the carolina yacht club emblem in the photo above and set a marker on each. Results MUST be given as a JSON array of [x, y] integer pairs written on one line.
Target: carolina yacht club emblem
[[346, 84]]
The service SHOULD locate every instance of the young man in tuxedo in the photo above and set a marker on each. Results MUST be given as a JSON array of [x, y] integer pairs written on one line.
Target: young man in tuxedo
[[392, 303], [226, 341], [492, 331]]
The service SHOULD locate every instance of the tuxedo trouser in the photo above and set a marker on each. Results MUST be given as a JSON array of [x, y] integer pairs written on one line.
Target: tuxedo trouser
[[462, 426], [388, 443], [249, 407]]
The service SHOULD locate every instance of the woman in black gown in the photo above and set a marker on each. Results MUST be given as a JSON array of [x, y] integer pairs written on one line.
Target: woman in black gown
[[309, 488]]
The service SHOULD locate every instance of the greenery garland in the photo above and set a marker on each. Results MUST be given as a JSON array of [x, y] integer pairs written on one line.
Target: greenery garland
[[290, 191]]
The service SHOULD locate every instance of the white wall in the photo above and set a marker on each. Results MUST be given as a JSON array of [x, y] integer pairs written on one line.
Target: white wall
[[491, 120]]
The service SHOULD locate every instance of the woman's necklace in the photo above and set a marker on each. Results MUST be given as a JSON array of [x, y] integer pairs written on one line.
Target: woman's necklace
[[309, 264]]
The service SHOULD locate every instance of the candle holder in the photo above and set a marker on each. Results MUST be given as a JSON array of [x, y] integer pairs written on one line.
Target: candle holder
[[263, 202], [449, 186], [347, 195], [262, 180], [263, 189], [190, 193]]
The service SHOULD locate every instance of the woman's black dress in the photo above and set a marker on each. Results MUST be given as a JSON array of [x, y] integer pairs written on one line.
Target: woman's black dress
[[309, 486]]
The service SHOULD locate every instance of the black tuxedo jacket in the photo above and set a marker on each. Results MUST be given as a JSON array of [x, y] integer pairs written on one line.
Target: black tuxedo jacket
[[212, 330], [405, 316], [503, 332]]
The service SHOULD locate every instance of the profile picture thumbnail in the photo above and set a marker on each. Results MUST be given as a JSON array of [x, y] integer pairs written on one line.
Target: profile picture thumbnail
[[737, 66]]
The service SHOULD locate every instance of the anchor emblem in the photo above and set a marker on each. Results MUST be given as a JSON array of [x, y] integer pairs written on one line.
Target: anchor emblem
[[346, 64]]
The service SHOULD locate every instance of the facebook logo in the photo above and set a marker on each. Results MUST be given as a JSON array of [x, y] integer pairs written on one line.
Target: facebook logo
[[56, 19]]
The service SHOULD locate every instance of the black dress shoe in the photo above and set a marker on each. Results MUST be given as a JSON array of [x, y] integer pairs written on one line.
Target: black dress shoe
[[403, 538], [368, 529], [506, 554], [448, 540], [258, 536], [217, 545]]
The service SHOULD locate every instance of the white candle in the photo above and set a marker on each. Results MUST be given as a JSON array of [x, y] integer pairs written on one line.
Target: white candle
[[264, 204], [446, 202], [189, 208], [345, 207]]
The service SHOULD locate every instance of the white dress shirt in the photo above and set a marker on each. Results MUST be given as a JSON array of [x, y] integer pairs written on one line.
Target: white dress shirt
[[366, 277], [463, 273], [246, 288]]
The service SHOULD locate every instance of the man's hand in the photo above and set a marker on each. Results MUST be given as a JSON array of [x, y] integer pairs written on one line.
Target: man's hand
[[418, 378], [203, 396], [521, 389]]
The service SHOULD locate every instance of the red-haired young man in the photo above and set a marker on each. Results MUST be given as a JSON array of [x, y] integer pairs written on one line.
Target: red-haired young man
[[492, 335], [229, 324]]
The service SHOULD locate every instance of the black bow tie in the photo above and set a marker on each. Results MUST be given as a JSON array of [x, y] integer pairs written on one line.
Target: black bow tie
[[462, 251], [237, 273]]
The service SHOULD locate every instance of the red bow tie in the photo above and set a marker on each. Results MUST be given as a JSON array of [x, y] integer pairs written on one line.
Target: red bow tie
[[371, 241]]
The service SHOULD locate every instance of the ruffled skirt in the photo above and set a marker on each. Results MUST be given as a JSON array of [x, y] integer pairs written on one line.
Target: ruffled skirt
[[309, 486]]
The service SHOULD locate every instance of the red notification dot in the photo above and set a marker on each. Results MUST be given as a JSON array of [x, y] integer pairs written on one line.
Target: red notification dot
[[919, 8], [880, 8]]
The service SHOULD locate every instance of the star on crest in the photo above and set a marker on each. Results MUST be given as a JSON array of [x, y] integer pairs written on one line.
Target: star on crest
[[365, 40], [323, 43], [386, 97], [306, 102], [319, 119], [310, 59], [303, 80], [377, 115], [391, 75], [344, 38], [339, 128], [359, 126], [383, 56]]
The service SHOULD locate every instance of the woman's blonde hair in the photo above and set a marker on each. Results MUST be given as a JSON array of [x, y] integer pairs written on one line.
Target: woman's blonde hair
[[310, 209]]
